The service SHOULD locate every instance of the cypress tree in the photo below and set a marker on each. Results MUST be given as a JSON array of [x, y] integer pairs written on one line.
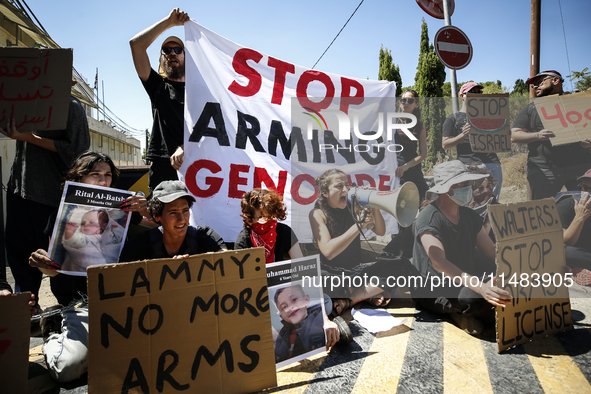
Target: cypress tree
[[429, 80], [388, 70]]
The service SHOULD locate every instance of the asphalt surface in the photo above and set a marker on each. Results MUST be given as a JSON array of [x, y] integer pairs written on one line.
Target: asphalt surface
[[428, 354]]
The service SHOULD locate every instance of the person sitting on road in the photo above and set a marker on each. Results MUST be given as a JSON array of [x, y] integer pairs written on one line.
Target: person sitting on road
[[574, 214], [446, 235], [170, 207]]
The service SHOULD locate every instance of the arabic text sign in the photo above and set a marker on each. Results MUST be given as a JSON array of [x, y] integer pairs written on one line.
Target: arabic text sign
[[568, 116], [200, 324], [531, 267], [35, 87], [14, 342], [488, 116]]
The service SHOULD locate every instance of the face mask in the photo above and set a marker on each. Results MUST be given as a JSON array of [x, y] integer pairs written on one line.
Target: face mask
[[462, 195]]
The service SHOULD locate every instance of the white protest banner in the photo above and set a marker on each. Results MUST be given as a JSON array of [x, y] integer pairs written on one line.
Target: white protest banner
[[531, 266], [240, 132]]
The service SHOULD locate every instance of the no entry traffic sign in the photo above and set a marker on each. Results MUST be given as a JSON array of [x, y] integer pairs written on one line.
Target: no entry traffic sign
[[453, 47]]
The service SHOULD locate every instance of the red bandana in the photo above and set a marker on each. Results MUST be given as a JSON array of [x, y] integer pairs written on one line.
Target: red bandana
[[265, 234]]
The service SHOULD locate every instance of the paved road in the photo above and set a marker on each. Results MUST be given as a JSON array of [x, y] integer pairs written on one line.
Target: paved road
[[426, 355]]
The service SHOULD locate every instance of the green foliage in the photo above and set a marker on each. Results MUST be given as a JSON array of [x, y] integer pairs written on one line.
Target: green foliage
[[520, 89], [388, 70], [493, 87], [428, 82], [584, 79]]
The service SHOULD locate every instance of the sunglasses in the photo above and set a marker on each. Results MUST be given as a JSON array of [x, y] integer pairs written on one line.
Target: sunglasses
[[585, 188], [167, 50], [541, 81], [411, 100], [475, 91]]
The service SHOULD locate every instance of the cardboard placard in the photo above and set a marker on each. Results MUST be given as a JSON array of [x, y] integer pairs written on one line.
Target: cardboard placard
[[15, 328], [200, 324], [488, 116], [35, 87], [531, 266], [296, 279], [568, 116]]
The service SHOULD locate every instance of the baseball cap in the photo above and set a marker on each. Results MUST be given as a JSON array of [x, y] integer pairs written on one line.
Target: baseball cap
[[468, 86], [174, 39], [550, 73], [587, 175], [168, 191], [448, 174]]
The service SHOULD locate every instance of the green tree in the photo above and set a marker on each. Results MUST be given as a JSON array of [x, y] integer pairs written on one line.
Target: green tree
[[584, 79], [388, 70], [491, 87], [428, 83], [520, 89]]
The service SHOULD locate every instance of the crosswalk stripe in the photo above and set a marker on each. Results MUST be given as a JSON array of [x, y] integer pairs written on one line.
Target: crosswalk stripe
[[561, 374], [383, 369], [464, 365], [425, 344]]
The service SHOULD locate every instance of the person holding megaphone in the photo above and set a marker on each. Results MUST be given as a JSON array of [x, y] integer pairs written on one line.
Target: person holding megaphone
[[336, 233]]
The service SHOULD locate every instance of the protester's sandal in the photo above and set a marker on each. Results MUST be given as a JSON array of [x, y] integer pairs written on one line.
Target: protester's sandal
[[341, 303], [346, 336]]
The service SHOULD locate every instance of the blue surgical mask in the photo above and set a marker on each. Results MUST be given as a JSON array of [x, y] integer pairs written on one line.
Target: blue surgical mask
[[462, 195]]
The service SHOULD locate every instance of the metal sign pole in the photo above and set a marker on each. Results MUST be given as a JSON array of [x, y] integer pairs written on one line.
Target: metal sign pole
[[452, 75]]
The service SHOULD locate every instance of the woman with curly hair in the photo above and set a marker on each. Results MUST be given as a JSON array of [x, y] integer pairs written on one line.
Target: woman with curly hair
[[261, 210]]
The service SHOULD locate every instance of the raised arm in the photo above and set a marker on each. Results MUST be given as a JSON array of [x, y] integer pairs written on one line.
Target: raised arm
[[140, 42]]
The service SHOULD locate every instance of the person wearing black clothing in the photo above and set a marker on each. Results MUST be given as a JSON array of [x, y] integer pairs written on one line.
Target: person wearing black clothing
[[456, 131], [549, 167], [167, 95], [409, 163], [170, 207], [574, 215], [93, 168], [261, 210]]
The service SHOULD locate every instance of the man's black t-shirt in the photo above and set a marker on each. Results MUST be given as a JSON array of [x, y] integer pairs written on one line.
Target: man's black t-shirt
[[168, 110], [543, 153], [459, 240], [149, 245]]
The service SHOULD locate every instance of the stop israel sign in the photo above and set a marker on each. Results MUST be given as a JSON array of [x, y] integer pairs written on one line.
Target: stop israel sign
[[453, 47]]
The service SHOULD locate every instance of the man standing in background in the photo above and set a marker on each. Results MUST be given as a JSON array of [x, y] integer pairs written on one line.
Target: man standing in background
[[166, 89]]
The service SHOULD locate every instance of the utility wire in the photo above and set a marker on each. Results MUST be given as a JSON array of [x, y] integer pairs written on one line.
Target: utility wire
[[31, 11], [337, 34], [565, 46]]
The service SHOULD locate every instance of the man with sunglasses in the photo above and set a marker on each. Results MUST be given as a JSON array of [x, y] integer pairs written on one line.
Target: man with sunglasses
[[549, 167], [166, 89], [574, 214], [456, 131]]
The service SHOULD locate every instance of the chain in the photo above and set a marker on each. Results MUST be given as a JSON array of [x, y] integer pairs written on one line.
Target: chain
[[82, 302]]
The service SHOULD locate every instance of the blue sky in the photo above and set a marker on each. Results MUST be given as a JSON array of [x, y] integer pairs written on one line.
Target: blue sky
[[299, 32]]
